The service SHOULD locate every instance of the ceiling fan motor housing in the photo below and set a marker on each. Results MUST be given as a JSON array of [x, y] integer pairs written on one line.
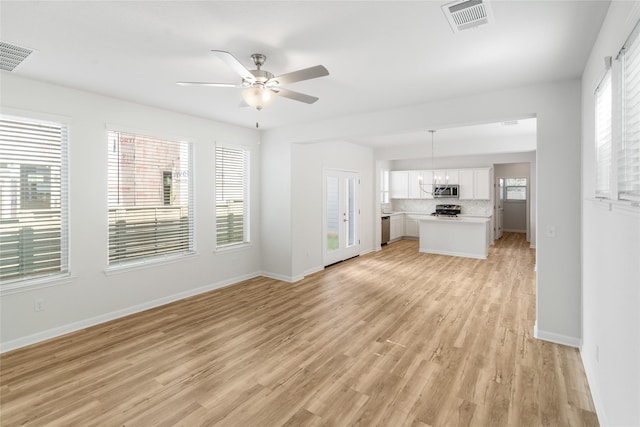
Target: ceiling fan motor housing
[[261, 77]]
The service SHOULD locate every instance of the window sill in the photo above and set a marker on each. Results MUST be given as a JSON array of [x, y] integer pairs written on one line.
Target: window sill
[[233, 248], [148, 263], [27, 285]]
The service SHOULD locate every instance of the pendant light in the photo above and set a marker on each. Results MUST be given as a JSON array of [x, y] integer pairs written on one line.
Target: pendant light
[[435, 179]]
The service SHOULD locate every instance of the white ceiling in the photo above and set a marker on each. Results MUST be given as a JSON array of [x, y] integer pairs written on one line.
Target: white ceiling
[[380, 54]]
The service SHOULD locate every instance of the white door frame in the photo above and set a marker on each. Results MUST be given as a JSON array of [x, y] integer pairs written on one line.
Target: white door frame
[[499, 208], [343, 251]]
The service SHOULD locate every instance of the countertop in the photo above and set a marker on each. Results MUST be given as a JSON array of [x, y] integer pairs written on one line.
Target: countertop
[[422, 215]]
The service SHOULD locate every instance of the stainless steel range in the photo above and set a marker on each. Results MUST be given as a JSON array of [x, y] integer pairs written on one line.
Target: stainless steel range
[[447, 210]]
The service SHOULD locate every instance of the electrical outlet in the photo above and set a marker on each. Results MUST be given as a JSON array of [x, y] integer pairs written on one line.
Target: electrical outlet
[[38, 305]]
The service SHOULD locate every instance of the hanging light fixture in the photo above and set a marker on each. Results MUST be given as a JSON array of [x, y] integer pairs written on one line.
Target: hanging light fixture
[[435, 180], [257, 96]]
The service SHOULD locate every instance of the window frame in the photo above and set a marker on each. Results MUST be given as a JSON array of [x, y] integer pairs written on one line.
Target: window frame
[[603, 165], [506, 189], [30, 282], [616, 193], [625, 158], [170, 256], [246, 179]]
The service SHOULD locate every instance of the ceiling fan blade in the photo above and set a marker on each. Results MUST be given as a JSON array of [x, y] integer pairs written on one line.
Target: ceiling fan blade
[[207, 84], [234, 64], [306, 74], [296, 96]]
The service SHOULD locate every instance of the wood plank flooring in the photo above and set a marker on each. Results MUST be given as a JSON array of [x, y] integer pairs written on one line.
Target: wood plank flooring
[[392, 338]]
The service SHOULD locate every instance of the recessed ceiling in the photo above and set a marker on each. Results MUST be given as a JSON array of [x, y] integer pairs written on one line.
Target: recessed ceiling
[[380, 54]]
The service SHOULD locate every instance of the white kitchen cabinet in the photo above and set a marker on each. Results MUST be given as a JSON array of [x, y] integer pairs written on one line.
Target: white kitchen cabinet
[[475, 184], [399, 184], [453, 176], [426, 191], [415, 178], [482, 184], [447, 177], [410, 227], [397, 226], [466, 189]]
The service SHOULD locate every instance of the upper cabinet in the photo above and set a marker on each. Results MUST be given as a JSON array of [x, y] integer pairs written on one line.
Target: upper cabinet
[[483, 184], [475, 184], [443, 177], [415, 180], [399, 184]]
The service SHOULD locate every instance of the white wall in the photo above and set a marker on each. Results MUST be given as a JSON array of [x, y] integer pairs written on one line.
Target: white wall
[[90, 296], [276, 211], [308, 163], [557, 108], [610, 258]]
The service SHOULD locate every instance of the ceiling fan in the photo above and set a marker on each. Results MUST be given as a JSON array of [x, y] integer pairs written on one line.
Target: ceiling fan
[[260, 85]]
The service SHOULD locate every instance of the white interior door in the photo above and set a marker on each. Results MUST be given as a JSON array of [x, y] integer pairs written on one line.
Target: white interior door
[[499, 217], [341, 216]]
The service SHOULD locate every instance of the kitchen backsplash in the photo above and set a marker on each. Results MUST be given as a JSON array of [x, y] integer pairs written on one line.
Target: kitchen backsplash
[[469, 207]]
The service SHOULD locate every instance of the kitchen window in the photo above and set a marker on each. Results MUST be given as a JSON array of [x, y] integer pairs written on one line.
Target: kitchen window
[[150, 200], [33, 199], [232, 196], [384, 186]]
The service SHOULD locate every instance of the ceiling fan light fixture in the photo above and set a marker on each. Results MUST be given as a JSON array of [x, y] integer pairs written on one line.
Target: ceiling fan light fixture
[[257, 97]]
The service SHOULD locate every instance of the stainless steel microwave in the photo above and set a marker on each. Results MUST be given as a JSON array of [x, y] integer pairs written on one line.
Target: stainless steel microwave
[[445, 191]]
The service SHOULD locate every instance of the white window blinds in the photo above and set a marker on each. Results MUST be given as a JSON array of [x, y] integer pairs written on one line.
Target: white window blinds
[[629, 155], [33, 198], [232, 178], [603, 135], [150, 197]]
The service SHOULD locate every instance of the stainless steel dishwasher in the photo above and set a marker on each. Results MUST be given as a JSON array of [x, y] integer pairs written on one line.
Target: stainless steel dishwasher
[[386, 229]]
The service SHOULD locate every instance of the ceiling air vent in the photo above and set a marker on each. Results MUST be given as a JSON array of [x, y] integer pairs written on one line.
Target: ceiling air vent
[[12, 55], [465, 14]]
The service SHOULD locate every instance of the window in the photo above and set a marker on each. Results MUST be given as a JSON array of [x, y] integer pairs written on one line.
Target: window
[[604, 112], [150, 197], [232, 189], [629, 153], [33, 198], [515, 188], [384, 186], [617, 132]]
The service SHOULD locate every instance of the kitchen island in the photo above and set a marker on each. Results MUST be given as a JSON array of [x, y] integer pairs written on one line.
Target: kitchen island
[[468, 237]]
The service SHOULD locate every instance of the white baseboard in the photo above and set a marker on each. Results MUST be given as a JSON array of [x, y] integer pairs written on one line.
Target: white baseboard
[[596, 396], [282, 277], [96, 320], [313, 270], [556, 338]]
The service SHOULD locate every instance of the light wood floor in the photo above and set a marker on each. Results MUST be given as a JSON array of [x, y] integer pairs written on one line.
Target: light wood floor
[[391, 338]]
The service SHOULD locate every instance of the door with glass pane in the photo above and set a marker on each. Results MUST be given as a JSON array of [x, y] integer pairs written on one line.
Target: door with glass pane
[[499, 208], [341, 216]]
